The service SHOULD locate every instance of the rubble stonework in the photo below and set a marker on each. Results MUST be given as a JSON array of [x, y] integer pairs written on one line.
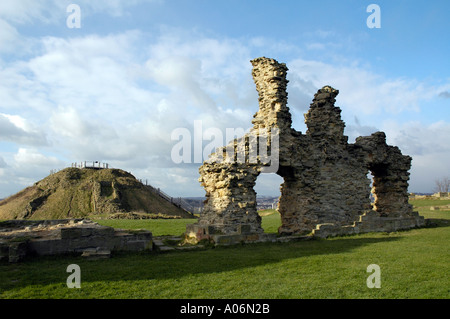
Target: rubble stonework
[[325, 190], [22, 238]]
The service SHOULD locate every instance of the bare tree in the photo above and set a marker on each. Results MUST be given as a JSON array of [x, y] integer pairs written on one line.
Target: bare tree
[[442, 185]]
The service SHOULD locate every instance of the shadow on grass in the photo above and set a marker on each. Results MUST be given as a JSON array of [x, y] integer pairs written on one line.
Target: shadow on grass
[[172, 265], [437, 222]]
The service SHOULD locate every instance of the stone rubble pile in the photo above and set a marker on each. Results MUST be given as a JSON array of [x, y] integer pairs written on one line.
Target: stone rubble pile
[[22, 238]]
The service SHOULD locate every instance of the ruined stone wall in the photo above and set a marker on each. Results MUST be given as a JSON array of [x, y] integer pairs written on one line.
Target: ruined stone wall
[[325, 188], [22, 238], [327, 183], [391, 174]]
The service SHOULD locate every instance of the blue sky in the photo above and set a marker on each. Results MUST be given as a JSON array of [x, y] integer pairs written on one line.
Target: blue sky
[[115, 89]]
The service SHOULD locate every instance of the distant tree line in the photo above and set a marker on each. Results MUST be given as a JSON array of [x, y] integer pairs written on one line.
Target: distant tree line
[[442, 185]]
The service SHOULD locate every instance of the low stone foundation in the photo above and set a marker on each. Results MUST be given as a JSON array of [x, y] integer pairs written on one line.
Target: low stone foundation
[[21, 238], [370, 222], [196, 233]]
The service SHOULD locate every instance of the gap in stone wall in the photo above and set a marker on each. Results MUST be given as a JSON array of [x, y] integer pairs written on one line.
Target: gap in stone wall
[[268, 184], [371, 195]]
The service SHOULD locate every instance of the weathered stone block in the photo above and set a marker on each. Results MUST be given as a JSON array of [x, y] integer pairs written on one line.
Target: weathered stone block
[[224, 239], [54, 238], [96, 253], [17, 251], [4, 251], [138, 245], [244, 229], [252, 238], [71, 232], [44, 247]]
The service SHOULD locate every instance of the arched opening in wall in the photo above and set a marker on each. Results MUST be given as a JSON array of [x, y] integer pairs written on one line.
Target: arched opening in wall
[[378, 187], [267, 190], [370, 177]]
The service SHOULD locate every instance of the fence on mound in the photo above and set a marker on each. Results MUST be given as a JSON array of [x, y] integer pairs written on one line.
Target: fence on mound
[[177, 201]]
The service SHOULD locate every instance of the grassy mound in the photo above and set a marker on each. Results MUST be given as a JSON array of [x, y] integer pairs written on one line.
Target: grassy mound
[[75, 192]]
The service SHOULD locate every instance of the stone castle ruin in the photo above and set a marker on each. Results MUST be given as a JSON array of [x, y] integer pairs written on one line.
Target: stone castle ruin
[[325, 191]]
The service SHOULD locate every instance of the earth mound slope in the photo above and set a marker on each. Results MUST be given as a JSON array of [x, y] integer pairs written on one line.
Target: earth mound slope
[[82, 192]]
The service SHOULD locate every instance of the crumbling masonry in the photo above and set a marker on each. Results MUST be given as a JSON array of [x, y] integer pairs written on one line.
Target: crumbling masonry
[[325, 190]]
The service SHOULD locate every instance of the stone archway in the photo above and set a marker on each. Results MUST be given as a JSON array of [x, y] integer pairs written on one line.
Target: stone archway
[[325, 189], [230, 204], [390, 171]]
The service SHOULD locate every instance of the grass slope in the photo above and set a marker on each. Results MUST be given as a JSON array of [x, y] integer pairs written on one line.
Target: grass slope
[[74, 192]]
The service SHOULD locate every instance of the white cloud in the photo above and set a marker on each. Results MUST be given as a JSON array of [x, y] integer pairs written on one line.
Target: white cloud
[[118, 97], [67, 122], [90, 72], [428, 146], [32, 158], [356, 129], [444, 94], [2, 163], [416, 138], [24, 168], [362, 91], [14, 128], [27, 11], [268, 185], [178, 72], [9, 37]]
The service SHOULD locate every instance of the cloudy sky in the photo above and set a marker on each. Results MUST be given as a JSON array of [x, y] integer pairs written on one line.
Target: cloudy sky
[[115, 88]]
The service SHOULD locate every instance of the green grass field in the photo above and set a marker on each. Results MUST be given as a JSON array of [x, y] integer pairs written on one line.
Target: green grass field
[[158, 227], [413, 264]]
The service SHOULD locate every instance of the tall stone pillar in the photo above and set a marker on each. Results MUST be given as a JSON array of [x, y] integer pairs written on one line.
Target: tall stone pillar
[[230, 206]]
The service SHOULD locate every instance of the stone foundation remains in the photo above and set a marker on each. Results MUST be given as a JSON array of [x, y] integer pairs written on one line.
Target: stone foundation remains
[[21, 238], [326, 189]]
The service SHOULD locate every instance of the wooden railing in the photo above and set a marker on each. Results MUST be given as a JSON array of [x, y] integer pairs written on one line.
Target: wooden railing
[[90, 164], [177, 201]]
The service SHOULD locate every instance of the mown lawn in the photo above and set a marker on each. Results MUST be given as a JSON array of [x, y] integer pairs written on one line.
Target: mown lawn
[[158, 227], [414, 264], [161, 227]]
